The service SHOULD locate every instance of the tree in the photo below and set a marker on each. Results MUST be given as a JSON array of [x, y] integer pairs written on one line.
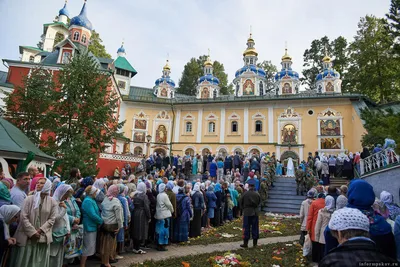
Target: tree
[[313, 56], [373, 69], [193, 70], [85, 111], [96, 46], [270, 70], [27, 105], [380, 124], [394, 24]]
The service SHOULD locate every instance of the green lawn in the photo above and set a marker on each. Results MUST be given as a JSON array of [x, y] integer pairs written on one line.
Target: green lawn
[[279, 254], [230, 232]]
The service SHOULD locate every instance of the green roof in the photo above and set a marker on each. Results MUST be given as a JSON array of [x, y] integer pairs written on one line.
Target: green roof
[[13, 141], [3, 79], [122, 63], [31, 48]]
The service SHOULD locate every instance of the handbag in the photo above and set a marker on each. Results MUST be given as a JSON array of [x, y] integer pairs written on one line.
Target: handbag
[[59, 235]]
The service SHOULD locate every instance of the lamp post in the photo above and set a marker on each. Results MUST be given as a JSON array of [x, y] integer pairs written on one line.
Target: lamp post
[[148, 138]]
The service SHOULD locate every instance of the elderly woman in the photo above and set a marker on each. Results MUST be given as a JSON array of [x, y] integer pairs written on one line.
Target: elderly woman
[[126, 216], [91, 220], [8, 215], [61, 227], [34, 232], [5, 197], [198, 210], [184, 213], [394, 209], [172, 197], [101, 185], [163, 214], [112, 216], [141, 218], [324, 215]]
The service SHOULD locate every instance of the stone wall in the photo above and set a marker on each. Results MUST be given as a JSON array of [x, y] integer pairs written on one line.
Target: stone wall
[[388, 180]]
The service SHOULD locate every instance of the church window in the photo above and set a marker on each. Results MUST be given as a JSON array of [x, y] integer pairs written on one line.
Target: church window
[[258, 126], [76, 36], [66, 57], [188, 127], [138, 151], [121, 85], [234, 127], [31, 58], [211, 127], [261, 89], [84, 38], [251, 61]]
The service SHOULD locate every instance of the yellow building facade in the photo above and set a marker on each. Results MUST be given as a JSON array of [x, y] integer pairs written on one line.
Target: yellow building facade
[[256, 118]]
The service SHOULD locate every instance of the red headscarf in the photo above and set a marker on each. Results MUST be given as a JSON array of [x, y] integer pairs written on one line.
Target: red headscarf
[[35, 180]]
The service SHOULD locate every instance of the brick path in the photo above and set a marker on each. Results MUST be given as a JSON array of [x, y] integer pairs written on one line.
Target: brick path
[[175, 251]]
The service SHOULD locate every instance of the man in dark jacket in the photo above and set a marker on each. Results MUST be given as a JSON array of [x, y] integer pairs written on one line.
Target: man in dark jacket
[[236, 161], [351, 228], [250, 201]]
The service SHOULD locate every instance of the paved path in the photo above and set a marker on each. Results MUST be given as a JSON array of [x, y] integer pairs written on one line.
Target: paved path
[[175, 251]]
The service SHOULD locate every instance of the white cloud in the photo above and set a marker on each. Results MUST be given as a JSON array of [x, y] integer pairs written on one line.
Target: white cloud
[[187, 28]]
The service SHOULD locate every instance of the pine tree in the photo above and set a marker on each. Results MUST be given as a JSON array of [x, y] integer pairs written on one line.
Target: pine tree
[[96, 46], [394, 24], [27, 106]]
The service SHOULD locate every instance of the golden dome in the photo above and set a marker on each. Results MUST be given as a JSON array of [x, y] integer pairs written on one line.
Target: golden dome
[[250, 52], [326, 58], [167, 67], [250, 40], [208, 62], [286, 56]]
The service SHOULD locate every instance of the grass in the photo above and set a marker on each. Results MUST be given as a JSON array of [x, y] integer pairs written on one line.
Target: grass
[[232, 231], [279, 254]]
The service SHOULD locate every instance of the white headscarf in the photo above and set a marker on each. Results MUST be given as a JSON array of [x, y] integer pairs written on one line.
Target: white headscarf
[[99, 183], [196, 188], [45, 190], [330, 203], [7, 212], [141, 188], [60, 191]]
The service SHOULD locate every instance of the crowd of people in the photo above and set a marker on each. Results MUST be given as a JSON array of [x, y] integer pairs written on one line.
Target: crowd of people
[[348, 225], [54, 222]]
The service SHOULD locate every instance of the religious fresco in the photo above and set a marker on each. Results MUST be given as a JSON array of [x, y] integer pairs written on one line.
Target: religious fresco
[[248, 87], [139, 137], [140, 124], [330, 143], [330, 127], [329, 87], [289, 134], [161, 134], [164, 92], [286, 88], [205, 93], [163, 115]]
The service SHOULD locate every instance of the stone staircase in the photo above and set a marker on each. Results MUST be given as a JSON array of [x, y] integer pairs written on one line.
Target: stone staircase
[[338, 182], [283, 198]]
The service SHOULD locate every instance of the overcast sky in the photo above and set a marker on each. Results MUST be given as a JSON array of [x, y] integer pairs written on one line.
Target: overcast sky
[[183, 29]]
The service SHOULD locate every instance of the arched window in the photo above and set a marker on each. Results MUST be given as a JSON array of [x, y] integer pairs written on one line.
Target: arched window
[[138, 150], [188, 127], [261, 87], [237, 89], [211, 127], [83, 38], [31, 58], [76, 36], [234, 127], [258, 126]]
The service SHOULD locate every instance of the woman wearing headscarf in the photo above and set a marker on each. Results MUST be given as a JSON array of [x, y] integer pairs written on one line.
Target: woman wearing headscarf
[[112, 215], [211, 204], [34, 232], [184, 213], [218, 205], [213, 169], [199, 164], [91, 221], [84, 183], [194, 165], [324, 215], [126, 218], [394, 209], [61, 227], [312, 217], [151, 195], [198, 210], [101, 185], [246, 170], [8, 215], [347, 168], [163, 214], [172, 197], [5, 197], [141, 218]]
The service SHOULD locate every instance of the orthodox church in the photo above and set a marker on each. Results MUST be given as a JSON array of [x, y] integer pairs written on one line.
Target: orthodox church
[[256, 118]]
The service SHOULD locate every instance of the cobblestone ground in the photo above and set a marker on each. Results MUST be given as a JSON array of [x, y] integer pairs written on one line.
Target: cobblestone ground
[[175, 251]]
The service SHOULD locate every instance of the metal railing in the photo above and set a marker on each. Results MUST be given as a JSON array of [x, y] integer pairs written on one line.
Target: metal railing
[[120, 157], [380, 160]]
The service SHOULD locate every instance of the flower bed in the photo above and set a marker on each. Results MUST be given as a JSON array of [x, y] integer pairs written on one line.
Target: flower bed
[[277, 255], [269, 226]]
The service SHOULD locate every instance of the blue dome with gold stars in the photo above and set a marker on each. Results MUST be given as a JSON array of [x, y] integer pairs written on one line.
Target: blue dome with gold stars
[[286, 73], [209, 78], [253, 68], [168, 80], [328, 73], [82, 20]]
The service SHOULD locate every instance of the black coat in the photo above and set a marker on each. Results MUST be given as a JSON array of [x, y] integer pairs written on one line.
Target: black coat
[[352, 252]]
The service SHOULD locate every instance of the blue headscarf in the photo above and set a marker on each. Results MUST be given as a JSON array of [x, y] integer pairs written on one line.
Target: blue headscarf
[[170, 185], [217, 188]]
